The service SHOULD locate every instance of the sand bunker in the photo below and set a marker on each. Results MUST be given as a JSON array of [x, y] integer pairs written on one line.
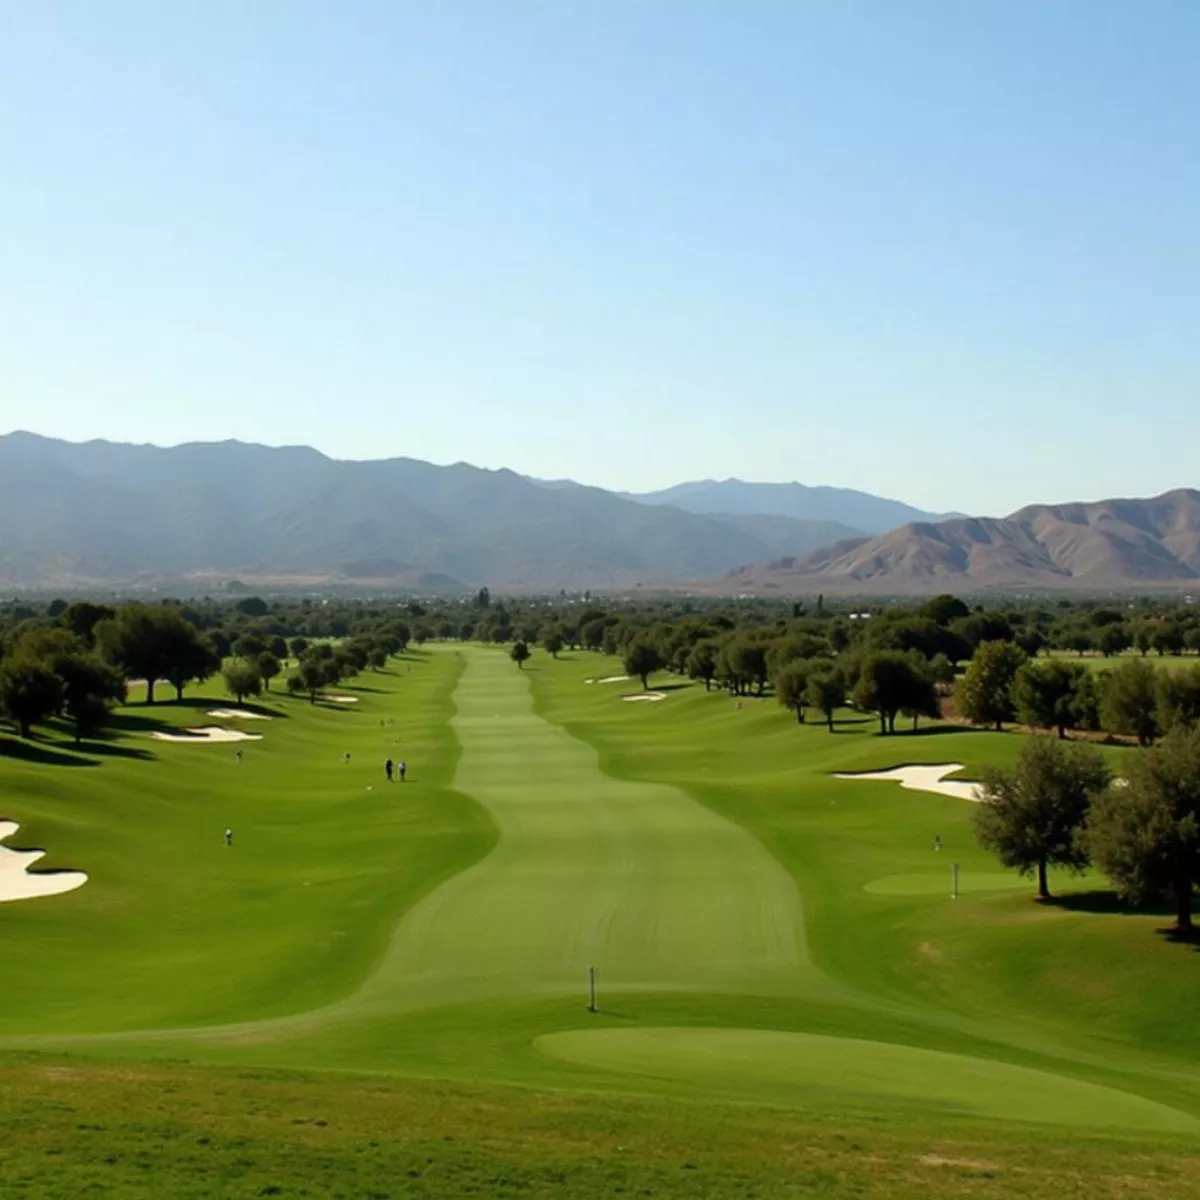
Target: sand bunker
[[926, 779], [341, 699], [612, 679], [208, 733], [647, 696], [16, 881], [237, 714]]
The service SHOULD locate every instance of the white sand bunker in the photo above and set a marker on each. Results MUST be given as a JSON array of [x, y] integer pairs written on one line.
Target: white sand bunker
[[208, 733], [16, 881], [237, 714], [612, 679], [926, 779], [647, 696], [341, 699]]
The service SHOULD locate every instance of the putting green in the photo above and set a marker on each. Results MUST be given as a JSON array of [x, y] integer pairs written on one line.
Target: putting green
[[807, 1068], [634, 878], [934, 883]]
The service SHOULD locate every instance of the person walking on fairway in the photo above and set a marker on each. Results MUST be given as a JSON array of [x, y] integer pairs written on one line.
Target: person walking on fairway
[[229, 837], [403, 771], [387, 770]]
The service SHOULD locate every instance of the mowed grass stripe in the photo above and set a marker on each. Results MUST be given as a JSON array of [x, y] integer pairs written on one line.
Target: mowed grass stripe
[[634, 878]]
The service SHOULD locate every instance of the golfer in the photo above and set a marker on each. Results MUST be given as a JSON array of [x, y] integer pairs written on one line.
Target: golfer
[[403, 771], [387, 770], [229, 837]]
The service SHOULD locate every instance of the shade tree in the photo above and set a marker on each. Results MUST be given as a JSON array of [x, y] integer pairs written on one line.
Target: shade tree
[[1146, 836], [1031, 815]]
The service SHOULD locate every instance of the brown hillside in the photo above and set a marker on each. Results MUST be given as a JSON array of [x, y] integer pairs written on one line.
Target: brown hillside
[[1107, 544]]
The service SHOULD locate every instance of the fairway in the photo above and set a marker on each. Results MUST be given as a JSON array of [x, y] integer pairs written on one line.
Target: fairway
[[636, 879]]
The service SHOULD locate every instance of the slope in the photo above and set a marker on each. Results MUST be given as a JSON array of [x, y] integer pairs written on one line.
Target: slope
[[1109, 544], [79, 514]]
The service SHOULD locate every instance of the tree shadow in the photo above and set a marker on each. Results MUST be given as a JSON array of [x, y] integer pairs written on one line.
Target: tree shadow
[[139, 722], [29, 751], [670, 687], [209, 702], [931, 730], [1181, 937], [1104, 902]]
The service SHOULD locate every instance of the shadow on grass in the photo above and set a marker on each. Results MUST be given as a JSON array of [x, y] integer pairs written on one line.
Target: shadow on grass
[[1101, 901], [670, 687], [37, 752], [1181, 937]]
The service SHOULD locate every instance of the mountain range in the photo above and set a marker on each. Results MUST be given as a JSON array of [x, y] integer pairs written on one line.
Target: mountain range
[[82, 514], [1106, 545], [198, 515]]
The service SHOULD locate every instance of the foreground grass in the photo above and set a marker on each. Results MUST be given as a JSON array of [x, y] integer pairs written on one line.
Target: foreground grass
[[152, 1131]]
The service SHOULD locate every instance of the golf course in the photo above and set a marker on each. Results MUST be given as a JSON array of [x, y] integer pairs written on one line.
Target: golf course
[[388, 982]]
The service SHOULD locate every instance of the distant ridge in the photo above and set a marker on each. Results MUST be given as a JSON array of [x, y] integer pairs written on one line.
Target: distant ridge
[[112, 514], [1105, 545], [856, 510]]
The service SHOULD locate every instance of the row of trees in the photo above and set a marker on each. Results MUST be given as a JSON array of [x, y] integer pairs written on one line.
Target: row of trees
[[1060, 806], [1134, 699], [77, 664]]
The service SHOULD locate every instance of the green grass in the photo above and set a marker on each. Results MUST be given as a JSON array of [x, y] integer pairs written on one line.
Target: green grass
[[770, 941], [1095, 661]]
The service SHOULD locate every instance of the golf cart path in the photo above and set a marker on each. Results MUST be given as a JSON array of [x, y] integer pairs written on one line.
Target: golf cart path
[[634, 878]]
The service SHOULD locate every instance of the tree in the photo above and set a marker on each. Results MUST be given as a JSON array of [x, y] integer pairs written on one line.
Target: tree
[[702, 661], [483, 598], [1146, 836], [552, 643], [922, 699], [519, 653], [742, 662], [942, 670], [147, 641], [1044, 694], [1129, 701], [298, 647], [82, 617], [1167, 638], [249, 646], [309, 677], [826, 692], [29, 691], [189, 659], [642, 659], [887, 682], [791, 686], [252, 606], [1113, 639], [944, 609], [377, 658], [90, 688], [242, 679], [268, 667], [984, 694], [1178, 698], [1032, 814]]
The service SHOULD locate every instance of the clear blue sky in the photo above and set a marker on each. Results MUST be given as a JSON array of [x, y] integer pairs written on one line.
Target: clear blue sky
[[946, 251]]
